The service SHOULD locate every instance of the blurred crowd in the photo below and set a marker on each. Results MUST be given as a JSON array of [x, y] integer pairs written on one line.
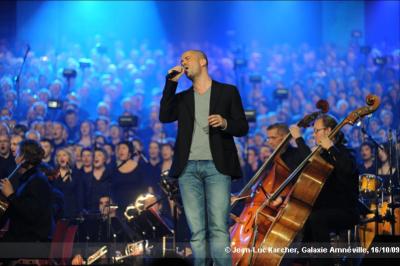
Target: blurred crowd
[[71, 99]]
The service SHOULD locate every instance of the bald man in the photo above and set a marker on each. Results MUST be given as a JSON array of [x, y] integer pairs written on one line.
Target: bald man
[[209, 115]]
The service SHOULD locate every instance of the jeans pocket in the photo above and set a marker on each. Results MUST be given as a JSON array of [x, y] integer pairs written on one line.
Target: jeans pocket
[[211, 168], [189, 165]]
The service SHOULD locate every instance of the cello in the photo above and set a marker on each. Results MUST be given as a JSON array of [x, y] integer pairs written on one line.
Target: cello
[[310, 177], [243, 231]]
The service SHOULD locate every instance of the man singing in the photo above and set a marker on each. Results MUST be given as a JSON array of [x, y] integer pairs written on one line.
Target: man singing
[[209, 115]]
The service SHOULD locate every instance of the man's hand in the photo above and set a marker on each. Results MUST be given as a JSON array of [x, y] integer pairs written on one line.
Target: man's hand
[[217, 121], [6, 187], [180, 70], [77, 260], [277, 202], [234, 198], [295, 131], [325, 142]]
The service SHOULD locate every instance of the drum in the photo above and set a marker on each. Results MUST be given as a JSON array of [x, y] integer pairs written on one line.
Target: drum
[[367, 231], [369, 184]]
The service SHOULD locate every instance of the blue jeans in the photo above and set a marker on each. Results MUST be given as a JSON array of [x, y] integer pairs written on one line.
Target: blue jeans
[[206, 199]]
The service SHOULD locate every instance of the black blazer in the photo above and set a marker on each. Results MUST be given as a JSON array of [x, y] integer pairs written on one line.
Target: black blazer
[[30, 209], [225, 101]]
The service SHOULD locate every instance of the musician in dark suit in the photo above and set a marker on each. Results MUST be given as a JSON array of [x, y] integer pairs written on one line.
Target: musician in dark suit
[[209, 115], [100, 228], [29, 211], [335, 209]]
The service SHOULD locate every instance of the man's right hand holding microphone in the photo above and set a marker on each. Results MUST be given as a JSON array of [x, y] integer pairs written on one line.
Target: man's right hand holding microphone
[[175, 73]]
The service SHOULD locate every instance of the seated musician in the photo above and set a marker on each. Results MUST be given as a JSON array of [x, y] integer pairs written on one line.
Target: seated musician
[[291, 156], [29, 209], [95, 230], [336, 206]]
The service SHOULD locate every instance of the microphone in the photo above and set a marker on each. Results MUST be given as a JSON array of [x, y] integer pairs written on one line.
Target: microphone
[[173, 74]]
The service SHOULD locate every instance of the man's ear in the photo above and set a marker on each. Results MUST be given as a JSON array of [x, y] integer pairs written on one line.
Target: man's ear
[[203, 62]]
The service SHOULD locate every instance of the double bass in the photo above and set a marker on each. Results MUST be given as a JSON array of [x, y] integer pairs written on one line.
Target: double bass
[[258, 190], [310, 177]]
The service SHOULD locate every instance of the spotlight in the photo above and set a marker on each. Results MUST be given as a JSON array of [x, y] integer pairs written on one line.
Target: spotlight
[[54, 104], [380, 60], [69, 73], [85, 63], [250, 115], [281, 93], [127, 121]]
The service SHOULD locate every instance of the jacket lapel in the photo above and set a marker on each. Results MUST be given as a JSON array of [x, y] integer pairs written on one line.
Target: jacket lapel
[[189, 102], [215, 93]]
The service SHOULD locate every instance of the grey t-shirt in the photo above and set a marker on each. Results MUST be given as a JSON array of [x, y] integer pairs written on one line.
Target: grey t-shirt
[[200, 148]]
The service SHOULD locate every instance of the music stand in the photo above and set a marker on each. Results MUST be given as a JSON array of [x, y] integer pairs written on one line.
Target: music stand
[[150, 224], [153, 228]]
